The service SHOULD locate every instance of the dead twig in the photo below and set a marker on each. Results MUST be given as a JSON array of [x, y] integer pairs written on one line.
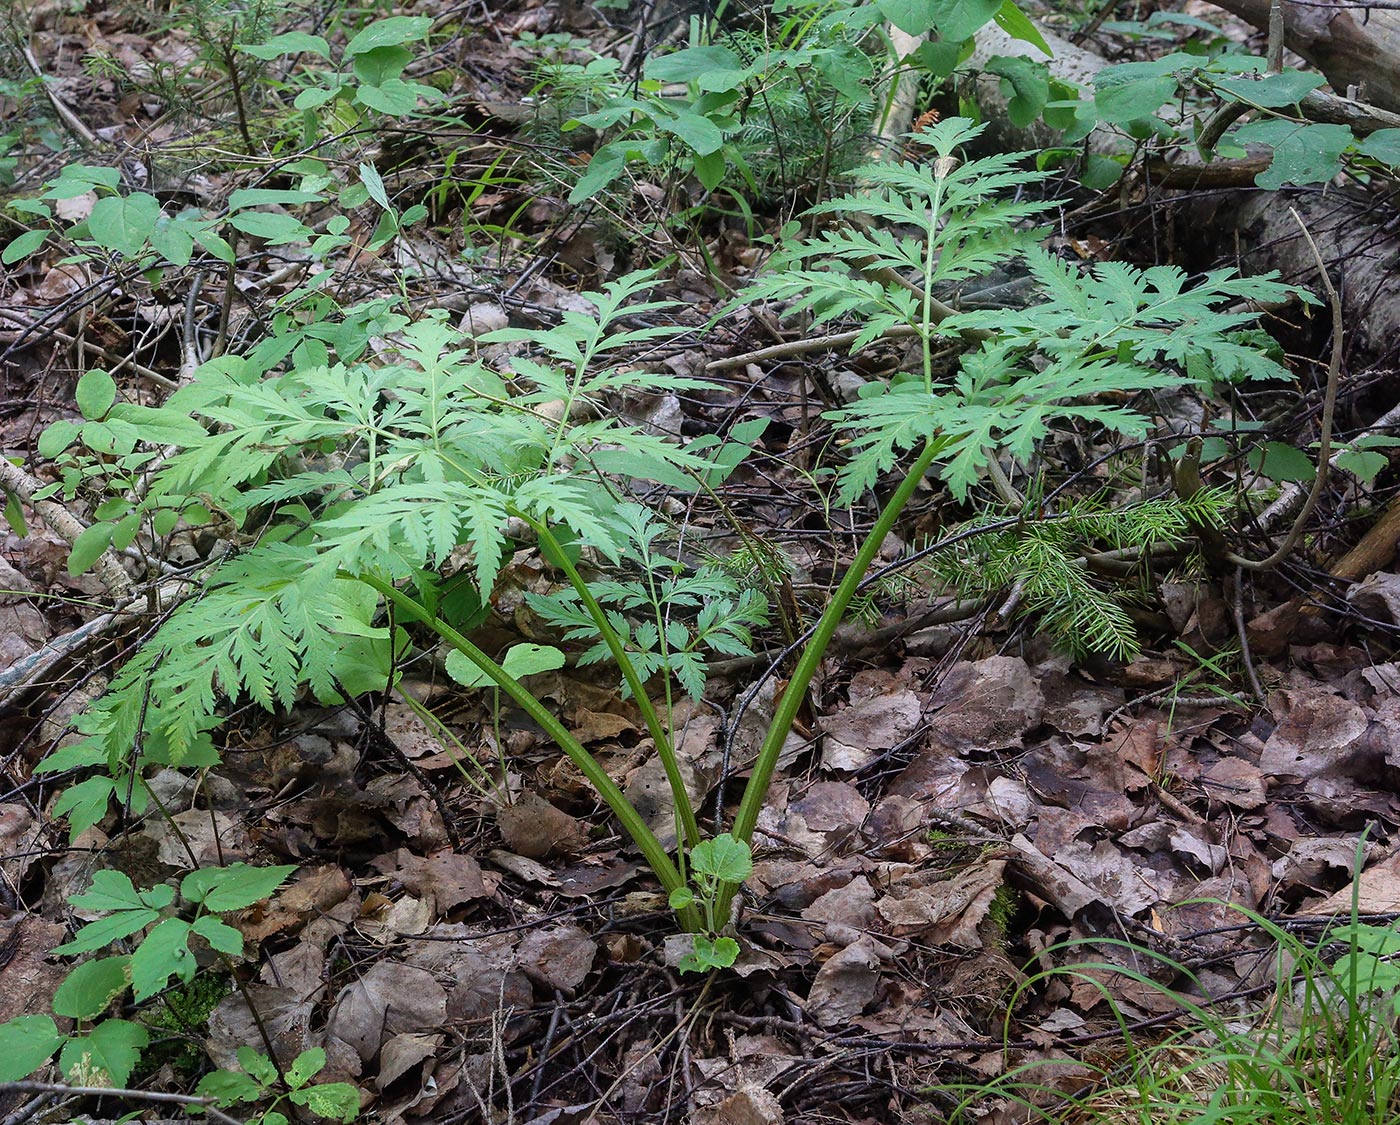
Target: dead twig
[[71, 121], [1237, 608], [154, 1096], [793, 348], [1329, 407], [88, 346]]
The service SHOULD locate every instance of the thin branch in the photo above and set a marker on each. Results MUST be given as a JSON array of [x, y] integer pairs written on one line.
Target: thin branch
[[1329, 408], [1275, 50], [71, 121], [155, 1096], [61, 520], [803, 346]]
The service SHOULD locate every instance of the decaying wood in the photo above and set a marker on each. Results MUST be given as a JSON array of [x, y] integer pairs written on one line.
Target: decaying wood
[[1361, 117], [1375, 550], [1360, 251], [107, 567], [1356, 48], [1184, 168]]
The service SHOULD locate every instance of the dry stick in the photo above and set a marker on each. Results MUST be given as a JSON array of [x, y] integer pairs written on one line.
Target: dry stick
[[155, 1096], [28, 671], [1237, 608], [1275, 49], [1329, 407], [71, 121], [938, 312], [94, 349], [803, 346], [189, 339], [30, 1109], [1293, 494], [60, 519]]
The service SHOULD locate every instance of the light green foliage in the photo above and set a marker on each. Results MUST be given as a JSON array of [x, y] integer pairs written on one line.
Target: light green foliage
[[385, 467], [1144, 316], [104, 1051], [343, 479], [787, 103], [26, 1044], [1110, 332], [132, 227], [520, 660], [1170, 98], [129, 225], [28, 120], [784, 104], [366, 82], [1360, 457], [369, 74], [687, 613], [256, 1080], [714, 864], [1004, 905]]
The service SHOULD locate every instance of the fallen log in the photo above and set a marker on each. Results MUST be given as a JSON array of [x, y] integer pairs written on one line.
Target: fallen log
[[1357, 48], [1352, 230]]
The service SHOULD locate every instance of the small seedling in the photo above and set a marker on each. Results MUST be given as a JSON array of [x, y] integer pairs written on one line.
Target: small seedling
[[257, 1080]]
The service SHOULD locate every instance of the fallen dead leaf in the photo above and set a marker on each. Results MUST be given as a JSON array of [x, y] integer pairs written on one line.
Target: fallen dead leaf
[[1317, 735], [523, 867], [846, 984], [444, 879], [389, 999], [402, 1053], [751, 1105], [284, 1014], [1378, 596], [988, 705], [21, 840], [561, 957], [827, 813], [1320, 863], [1235, 782], [28, 975], [851, 905], [948, 911], [649, 792], [858, 736], [534, 828]]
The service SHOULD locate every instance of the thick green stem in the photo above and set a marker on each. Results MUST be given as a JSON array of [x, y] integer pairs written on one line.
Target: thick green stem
[[615, 799], [685, 813], [756, 791]]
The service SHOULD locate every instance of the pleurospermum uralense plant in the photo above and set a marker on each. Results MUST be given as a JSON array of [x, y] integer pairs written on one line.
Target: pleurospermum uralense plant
[[351, 479]]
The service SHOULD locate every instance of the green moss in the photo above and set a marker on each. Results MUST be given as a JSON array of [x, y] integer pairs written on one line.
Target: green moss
[[1005, 903], [179, 1021]]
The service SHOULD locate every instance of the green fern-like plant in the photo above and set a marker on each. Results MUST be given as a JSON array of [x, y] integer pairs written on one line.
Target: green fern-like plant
[[346, 471], [686, 613], [352, 476], [914, 228]]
